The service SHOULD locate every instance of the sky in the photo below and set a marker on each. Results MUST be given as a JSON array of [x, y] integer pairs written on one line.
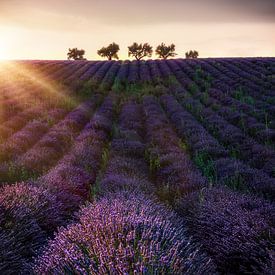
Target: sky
[[34, 29]]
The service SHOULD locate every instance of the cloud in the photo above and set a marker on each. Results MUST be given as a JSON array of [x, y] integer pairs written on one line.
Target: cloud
[[84, 14]]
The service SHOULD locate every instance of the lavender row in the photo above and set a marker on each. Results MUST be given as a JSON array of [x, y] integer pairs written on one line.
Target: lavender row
[[19, 142], [76, 173], [127, 168], [91, 71], [58, 139], [109, 78], [19, 121], [175, 172], [101, 72]]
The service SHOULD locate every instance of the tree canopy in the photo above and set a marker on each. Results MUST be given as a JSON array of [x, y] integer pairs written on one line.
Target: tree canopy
[[109, 52], [164, 51], [76, 54], [140, 50], [191, 54]]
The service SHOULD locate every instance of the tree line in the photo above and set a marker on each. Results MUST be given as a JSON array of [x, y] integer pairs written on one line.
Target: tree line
[[138, 51]]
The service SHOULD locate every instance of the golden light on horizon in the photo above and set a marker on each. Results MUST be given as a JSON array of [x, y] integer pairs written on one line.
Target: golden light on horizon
[[3, 53]]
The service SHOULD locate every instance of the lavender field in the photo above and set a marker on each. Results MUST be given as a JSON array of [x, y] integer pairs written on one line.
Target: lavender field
[[137, 167]]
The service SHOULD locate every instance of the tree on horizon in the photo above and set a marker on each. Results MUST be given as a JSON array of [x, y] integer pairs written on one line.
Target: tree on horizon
[[192, 54], [110, 51], [164, 51], [76, 54], [140, 51]]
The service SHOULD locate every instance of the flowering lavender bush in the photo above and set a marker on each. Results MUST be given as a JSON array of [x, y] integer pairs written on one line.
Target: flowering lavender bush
[[27, 214], [236, 230], [132, 234]]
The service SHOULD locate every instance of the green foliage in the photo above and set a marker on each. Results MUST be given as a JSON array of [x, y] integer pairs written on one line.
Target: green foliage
[[17, 174], [139, 51], [137, 90], [236, 182], [110, 51], [94, 189], [171, 81], [206, 164], [164, 51], [153, 160], [183, 145], [193, 88], [76, 54], [243, 97]]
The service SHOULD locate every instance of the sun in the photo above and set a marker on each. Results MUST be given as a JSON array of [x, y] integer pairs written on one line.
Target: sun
[[3, 53]]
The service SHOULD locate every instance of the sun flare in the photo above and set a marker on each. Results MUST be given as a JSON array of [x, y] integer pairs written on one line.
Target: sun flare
[[3, 53]]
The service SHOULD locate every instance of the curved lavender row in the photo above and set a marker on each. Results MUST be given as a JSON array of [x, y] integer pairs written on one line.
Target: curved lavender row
[[38, 208], [174, 169], [182, 78], [69, 70], [109, 78], [164, 69], [155, 73], [250, 82], [122, 74], [199, 141], [75, 76], [91, 71], [213, 158], [19, 142], [133, 76], [9, 108], [144, 72], [52, 146], [19, 121], [72, 178], [127, 168], [101, 72], [236, 230]]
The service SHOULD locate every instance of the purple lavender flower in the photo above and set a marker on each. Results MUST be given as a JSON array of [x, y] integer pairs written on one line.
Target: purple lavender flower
[[236, 230], [131, 233]]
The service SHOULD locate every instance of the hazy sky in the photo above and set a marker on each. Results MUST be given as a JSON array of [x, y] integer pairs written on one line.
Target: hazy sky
[[34, 29]]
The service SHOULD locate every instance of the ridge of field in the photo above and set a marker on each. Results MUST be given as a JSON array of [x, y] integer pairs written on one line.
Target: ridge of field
[[191, 138]]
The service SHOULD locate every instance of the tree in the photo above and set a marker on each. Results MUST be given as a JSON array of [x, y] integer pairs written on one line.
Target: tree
[[109, 52], [164, 51], [76, 54], [140, 50], [191, 54]]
